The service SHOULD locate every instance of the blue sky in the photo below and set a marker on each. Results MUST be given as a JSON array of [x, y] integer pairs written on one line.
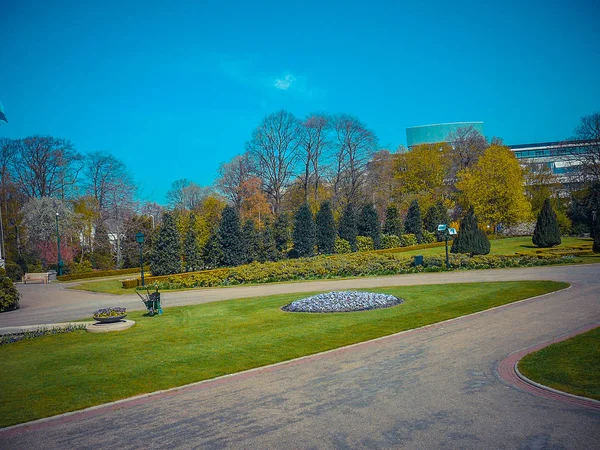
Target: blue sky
[[174, 88]]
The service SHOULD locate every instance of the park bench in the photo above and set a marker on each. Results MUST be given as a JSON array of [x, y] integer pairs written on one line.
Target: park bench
[[43, 277], [152, 302]]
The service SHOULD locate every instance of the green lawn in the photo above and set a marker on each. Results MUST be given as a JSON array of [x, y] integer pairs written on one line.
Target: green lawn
[[570, 366], [105, 286], [60, 373]]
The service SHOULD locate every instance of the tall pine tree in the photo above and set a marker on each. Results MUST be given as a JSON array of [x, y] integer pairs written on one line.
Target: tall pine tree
[[470, 238], [268, 249], [347, 229], [230, 238], [368, 224], [325, 229], [166, 254], [304, 235], [393, 223], [191, 250], [212, 253], [281, 233], [413, 223], [547, 232]]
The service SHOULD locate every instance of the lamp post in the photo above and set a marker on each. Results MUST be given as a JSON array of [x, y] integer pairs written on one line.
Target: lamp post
[[447, 232], [140, 240], [60, 261]]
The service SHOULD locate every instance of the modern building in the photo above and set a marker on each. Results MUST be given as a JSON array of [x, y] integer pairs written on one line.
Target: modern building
[[430, 134], [561, 157]]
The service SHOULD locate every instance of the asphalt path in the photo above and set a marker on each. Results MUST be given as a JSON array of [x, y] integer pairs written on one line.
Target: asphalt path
[[436, 387]]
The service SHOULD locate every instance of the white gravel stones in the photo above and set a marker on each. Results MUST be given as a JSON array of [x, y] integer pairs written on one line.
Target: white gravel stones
[[342, 301]]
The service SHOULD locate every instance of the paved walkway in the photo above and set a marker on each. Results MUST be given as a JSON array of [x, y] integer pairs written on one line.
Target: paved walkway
[[435, 387]]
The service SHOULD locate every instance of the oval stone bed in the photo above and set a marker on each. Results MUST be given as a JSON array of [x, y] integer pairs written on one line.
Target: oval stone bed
[[342, 301]]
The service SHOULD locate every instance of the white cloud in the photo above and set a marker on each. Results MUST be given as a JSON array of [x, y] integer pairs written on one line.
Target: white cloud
[[285, 82]]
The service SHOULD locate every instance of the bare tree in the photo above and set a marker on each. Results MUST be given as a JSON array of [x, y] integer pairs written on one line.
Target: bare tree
[[468, 145], [274, 152], [380, 180], [103, 174], [45, 166], [233, 176], [185, 194], [314, 143], [355, 145], [587, 157]]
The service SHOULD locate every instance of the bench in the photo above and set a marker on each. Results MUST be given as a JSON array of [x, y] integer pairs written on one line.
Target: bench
[[43, 277]]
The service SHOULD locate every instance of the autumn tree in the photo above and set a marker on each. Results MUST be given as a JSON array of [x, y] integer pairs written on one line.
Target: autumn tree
[[347, 228], [470, 239], [192, 260], [494, 187], [232, 178], [254, 204], [304, 235], [547, 232], [326, 232], [420, 173], [273, 150], [354, 146]]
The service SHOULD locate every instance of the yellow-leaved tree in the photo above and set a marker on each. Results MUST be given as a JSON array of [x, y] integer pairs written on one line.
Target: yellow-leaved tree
[[495, 188]]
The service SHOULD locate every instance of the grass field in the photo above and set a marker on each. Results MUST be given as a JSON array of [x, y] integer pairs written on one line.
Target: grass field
[[570, 366], [60, 373]]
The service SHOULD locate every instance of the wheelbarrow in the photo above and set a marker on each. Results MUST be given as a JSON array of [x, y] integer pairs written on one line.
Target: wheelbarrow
[[152, 301]]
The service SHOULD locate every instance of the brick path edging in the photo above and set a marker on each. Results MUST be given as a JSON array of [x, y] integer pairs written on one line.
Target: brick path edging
[[508, 372]]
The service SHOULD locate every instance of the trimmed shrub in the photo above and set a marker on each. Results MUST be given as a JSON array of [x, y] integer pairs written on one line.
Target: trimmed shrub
[[9, 296], [304, 235], [14, 271], [347, 229], [547, 232], [390, 241], [342, 246], [326, 233], [470, 238], [408, 240], [364, 243], [100, 273], [413, 223], [429, 237], [368, 224], [84, 266]]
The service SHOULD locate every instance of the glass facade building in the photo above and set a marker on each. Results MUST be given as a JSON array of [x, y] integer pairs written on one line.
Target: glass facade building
[[430, 134], [561, 157]]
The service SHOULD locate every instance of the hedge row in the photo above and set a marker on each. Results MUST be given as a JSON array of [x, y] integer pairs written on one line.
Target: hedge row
[[355, 264], [412, 247], [100, 273]]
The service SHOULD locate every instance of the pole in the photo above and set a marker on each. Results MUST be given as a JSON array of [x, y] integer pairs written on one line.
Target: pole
[[447, 260], [60, 263], [142, 262]]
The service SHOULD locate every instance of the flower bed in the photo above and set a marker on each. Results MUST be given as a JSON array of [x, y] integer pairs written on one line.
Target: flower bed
[[342, 301]]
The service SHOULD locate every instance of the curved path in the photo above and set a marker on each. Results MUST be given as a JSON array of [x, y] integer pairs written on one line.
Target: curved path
[[435, 387]]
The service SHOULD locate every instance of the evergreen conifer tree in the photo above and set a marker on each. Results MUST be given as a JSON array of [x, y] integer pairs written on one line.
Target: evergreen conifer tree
[[191, 249], [251, 240], [325, 229], [268, 249], [595, 232], [436, 214], [393, 224], [347, 229], [230, 238], [212, 254], [547, 232], [368, 224], [413, 223], [470, 238], [281, 232], [166, 254], [304, 235]]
